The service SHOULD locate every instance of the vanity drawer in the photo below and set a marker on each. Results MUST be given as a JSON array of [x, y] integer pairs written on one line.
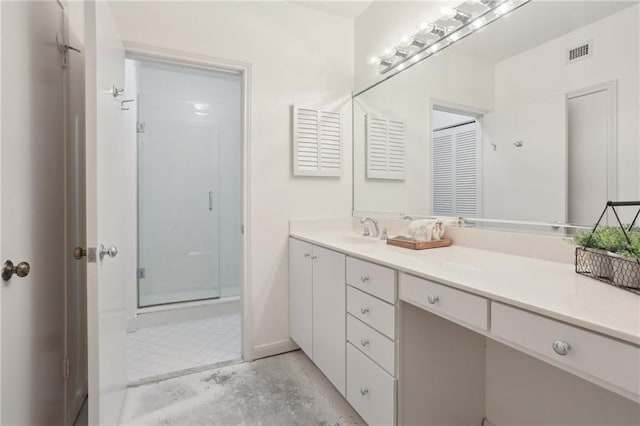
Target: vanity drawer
[[373, 279], [370, 390], [378, 314], [604, 358], [375, 345], [440, 299]]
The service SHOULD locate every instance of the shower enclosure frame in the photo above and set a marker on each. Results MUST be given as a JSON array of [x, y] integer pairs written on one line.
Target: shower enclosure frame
[[179, 58]]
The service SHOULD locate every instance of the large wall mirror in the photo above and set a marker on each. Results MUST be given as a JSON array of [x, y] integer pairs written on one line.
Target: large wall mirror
[[534, 118]]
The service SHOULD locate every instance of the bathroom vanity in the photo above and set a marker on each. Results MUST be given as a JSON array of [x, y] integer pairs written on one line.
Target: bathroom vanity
[[409, 337], [461, 123]]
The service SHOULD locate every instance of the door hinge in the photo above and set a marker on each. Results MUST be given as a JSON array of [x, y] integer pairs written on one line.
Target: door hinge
[[92, 255], [66, 368], [140, 127], [141, 273]]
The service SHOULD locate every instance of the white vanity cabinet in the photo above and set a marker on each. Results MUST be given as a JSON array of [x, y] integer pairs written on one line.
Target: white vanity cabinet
[[301, 295], [456, 351], [317, 307]]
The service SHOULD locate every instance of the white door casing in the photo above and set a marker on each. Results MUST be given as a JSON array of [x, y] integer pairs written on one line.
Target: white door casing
[[107, 278], [592, 153], [153, 53], [76, 296], [32, 199]]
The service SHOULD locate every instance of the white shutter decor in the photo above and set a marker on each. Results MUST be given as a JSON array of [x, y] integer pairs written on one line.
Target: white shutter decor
[[385, 148], [455, 171], [466, 171], [317, 142], [442, 174]]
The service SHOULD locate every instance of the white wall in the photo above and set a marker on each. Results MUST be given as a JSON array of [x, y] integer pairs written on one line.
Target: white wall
[[297, 55], [616, 56]]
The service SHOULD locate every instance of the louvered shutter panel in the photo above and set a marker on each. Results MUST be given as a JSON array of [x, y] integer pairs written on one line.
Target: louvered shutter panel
[[385, 148], [317, 142], [466, 171], [443, 174], [455, 171]]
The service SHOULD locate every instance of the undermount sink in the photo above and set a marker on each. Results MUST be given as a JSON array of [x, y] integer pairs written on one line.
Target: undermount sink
[[356, 239]]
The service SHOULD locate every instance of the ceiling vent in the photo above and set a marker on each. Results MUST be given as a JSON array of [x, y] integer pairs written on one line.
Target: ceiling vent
[[580, 52]]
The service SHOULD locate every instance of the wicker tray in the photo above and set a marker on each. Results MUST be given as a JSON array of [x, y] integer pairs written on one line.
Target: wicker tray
[[412, 244], [614, 270]]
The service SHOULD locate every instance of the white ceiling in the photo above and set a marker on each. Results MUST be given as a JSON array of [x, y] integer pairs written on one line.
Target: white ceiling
[[346, 9], [534, 24]]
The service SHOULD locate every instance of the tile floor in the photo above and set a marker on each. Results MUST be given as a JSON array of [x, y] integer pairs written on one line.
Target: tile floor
[[165, 349]]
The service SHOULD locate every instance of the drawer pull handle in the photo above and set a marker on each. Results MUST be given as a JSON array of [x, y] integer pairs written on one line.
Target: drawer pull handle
[[364, 310], [364, 342], [364, 278], [314, 257], [364, 391], [432, 299], [561, 348], [307, 255]]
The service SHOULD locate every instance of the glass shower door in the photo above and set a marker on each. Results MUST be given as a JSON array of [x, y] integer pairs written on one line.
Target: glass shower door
[[178, 214]]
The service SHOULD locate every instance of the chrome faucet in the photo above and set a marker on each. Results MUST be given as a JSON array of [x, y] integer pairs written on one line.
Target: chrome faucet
[[366, 232]]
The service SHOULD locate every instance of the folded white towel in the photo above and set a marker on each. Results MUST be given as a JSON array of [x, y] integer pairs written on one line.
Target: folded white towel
[[427, 230]]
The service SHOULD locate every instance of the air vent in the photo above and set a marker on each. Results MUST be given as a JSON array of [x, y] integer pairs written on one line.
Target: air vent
[[582, 51]]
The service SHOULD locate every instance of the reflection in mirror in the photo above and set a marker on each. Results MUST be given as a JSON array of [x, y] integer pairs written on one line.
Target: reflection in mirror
[[532, 119]]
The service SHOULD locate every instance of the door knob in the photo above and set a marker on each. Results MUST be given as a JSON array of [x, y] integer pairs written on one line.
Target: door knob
[[111, 251], [21, 270], [79, 253]]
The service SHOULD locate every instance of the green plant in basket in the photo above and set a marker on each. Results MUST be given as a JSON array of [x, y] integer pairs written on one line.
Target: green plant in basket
[[611, 239]]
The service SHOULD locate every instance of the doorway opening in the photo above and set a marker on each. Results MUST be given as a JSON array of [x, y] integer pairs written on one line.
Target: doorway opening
[[185, 312]]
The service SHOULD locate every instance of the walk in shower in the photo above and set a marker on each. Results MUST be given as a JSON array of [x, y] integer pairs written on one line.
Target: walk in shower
[[188, 128], [188, 184]]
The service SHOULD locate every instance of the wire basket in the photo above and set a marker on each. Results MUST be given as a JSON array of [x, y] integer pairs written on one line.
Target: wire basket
[[618, 271], [608, 267]]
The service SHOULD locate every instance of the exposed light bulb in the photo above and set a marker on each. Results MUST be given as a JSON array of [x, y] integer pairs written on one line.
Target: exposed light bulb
[[455, 14], [478, 23], [406, 40], [389, 51], [433, 49], [486, 3], [455, 36], [503, 8], [434, 29], [415, 58], [411, 41], [400, 67], [374, 60], [447, 12]]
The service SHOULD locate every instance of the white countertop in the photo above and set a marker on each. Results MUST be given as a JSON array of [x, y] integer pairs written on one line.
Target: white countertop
[[549, 288]]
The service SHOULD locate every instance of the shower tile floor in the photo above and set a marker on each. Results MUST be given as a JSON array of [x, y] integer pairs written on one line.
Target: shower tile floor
[[165, 349]]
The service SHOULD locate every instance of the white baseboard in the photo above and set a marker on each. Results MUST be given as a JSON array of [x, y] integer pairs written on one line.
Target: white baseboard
[[275, 348]]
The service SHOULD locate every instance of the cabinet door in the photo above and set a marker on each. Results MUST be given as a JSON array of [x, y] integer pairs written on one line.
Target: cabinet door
[[329, 318], [300, 295]]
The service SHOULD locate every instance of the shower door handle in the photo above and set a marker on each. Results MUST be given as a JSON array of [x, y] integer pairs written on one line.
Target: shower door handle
[[211, 200]]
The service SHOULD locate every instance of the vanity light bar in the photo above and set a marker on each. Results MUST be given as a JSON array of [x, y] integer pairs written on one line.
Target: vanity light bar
[[454, 24]]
